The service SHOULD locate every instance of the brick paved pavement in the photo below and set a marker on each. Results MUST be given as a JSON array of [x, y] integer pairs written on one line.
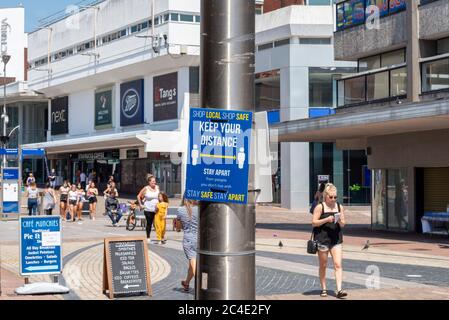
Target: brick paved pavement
[[287, 273]]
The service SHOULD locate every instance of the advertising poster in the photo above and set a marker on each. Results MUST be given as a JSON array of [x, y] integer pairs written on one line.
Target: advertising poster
[[103, 108], [397, 5], [381, 4], [165, 101], [131, 103], [218, 156]]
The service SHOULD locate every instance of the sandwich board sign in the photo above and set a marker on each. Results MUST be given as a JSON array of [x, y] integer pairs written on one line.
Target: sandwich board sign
[[40, 245], [218, 155], [126, 268]]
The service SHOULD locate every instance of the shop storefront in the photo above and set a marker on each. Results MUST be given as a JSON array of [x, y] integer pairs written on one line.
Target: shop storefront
[[167, 173]]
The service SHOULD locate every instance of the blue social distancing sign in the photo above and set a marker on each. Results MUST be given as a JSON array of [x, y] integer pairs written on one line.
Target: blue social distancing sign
[[40, 245], [218, 158]]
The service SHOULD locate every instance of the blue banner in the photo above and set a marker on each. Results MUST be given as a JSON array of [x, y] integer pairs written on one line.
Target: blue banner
[[40, 245], [10, 174], [33, 152], [10, 207], [218, 156], [9, 152], [131, 103]]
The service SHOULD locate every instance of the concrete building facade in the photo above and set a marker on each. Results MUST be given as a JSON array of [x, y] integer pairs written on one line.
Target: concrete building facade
[[395, 108]]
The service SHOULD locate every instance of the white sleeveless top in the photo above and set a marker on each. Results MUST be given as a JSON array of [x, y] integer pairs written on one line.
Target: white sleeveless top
[[151, 200], [33, 193]]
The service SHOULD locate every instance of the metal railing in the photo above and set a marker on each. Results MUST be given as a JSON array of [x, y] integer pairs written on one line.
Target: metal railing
[[351, 13], [372, 87]]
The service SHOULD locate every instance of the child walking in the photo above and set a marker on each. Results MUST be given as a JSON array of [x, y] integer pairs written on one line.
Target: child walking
[[159, 220]]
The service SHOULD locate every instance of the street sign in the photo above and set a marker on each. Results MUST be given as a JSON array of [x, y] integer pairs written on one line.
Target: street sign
[[126, 269], [10, 190], [40, 245], [218, 155]]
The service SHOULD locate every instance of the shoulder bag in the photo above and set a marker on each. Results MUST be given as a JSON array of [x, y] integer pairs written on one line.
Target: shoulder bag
[[312, 245]]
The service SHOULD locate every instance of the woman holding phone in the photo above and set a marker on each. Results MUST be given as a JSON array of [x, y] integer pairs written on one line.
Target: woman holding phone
[[328, 221]]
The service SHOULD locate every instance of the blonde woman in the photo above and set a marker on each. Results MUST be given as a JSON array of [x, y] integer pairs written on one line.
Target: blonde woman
[[187, 217], [328, 221]]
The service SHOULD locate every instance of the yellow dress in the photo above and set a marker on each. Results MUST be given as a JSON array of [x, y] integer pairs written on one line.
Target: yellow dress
[[159, 221]]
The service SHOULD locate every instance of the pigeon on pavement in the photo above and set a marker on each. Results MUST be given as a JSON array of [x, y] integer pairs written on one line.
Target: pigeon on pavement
[[280, 244], [367, 245]]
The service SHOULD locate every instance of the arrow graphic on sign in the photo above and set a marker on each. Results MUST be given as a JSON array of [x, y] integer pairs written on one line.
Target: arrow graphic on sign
[[218, 156], [40, 268], [132, 286]]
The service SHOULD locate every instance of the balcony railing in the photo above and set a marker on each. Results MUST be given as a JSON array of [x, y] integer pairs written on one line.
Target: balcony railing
[[372, 87], [435, 75], [352, 13]]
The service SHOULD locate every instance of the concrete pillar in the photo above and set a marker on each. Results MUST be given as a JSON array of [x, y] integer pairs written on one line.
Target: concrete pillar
[[338, 174], [294, 156], [413, 53]]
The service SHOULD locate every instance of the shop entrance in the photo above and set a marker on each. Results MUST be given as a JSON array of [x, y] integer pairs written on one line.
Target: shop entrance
[[168, 176]]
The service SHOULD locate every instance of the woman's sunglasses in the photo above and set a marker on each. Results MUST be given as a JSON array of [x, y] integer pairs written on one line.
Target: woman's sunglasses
[[333, 197]]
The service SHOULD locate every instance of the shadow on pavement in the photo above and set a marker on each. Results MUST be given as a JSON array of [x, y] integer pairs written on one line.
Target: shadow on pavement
[[361, 230]]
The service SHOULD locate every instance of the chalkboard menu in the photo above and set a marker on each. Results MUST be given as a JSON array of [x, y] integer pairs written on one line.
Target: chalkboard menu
[[126, 267]]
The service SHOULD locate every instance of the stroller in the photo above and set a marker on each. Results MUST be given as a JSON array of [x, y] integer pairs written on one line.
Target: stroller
[[113, 210]]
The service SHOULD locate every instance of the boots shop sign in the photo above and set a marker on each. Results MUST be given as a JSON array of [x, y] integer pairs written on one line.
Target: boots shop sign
[[131, 103], [60, 116]]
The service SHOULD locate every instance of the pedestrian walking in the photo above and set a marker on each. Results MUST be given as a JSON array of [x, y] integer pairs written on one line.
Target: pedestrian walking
[[318, 197], [73, 202], [188, 218], [150, 195], [32, 193], [328, 221], [49, 199], [81, 198], [83, 179], [31, 179], [160, 218], [92, 193], [52, 179], [63, 198]]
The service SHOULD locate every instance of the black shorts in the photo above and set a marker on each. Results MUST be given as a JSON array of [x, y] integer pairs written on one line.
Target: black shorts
[[93, 200], [64, 198], [72, 202]]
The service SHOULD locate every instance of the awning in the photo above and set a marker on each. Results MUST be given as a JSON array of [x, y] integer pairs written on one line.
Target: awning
[[165, 141], [93, 143], [360, 123]]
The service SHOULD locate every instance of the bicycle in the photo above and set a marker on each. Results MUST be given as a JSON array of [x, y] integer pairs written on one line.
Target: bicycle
[[135, 214]]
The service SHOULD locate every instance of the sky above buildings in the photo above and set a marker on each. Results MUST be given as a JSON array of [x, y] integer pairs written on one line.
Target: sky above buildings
[[36, 10]]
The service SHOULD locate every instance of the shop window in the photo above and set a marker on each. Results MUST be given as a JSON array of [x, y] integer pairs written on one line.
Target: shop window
[[186, 17], [320, 89], [443, 46], [354, 90], [315, 41], [268, 93], [435, 75], [397, 199], [379, 209], [282, 43], [392, 58], [265, 46], [370, 63], [398, 80], [377, 86]]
